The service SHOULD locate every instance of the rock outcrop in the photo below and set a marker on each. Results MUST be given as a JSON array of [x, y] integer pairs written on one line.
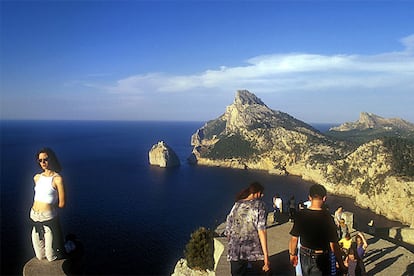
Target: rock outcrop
[[162, 155], [372, 121], [182, 269], [249, 135]]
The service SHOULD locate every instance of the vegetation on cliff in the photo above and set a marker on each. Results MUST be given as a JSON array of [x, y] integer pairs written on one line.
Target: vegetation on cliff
[[402, 156], [232, 146], [199, 251]]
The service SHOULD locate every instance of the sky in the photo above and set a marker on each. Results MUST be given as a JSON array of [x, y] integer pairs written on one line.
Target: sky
[[184, 60]]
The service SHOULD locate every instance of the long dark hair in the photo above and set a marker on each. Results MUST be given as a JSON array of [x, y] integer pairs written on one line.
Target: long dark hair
[[252, 189], [53, 162]]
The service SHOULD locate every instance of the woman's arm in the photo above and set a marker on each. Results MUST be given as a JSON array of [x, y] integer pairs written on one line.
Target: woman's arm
[[58, 181], [363, 240], [263, 242]]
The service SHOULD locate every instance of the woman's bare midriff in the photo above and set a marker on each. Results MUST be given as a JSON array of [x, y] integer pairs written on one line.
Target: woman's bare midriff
[[41, 206]]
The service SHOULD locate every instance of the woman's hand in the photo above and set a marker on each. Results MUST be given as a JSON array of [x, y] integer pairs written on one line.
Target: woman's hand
[[266, 266]]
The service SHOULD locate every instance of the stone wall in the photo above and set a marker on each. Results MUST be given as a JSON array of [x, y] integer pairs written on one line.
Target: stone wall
[[403, 234]]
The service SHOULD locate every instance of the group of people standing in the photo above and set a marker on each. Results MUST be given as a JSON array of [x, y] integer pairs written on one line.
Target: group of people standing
[[352, 251], [292, 207], [278, 208], [318, 250]]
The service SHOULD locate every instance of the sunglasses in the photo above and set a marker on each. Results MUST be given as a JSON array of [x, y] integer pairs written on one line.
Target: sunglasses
[[43, 160]]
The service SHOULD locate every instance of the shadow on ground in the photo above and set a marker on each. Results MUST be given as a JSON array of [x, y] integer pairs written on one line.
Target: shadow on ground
[[280, 264], [383, 264], [374, 255], [282, 219], [410, 270]]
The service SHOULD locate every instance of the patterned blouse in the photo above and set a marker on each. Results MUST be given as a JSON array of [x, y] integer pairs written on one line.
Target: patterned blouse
[[245, 219]]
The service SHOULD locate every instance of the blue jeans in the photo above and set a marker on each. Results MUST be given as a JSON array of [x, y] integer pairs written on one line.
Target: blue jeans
[[315, 264]]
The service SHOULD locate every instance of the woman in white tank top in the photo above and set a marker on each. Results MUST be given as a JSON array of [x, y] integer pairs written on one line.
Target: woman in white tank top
[[49, 196]]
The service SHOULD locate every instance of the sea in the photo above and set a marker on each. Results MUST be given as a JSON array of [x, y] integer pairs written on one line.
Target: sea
[[132, 218]]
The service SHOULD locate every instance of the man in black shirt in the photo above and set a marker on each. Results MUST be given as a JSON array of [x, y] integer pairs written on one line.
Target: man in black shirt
[[318, 237]]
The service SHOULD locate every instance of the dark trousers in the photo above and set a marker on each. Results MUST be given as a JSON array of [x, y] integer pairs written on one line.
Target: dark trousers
[[292, 213], [243, 267], [315, 264], [276, 215]]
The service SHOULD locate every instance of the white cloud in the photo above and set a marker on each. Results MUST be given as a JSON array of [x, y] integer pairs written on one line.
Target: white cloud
[[287, 72], [408, 43]]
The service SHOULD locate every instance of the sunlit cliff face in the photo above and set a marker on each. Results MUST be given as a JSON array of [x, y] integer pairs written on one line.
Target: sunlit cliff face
[[251, 136]]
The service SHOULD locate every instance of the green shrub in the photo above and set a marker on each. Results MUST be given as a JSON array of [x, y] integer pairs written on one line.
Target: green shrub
[[232, 146], [199, 251], [366, 188], [402, 155]]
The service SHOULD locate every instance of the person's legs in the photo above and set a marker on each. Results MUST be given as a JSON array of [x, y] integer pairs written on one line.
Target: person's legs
[[238, 268], [292, 214], [276, 215], [255, 268], [315, 265], [323, 264], [49, 251], [306, 264], [38, 245], [43, 245]]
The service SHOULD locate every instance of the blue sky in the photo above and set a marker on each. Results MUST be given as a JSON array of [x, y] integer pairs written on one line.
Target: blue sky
[[319, 61]]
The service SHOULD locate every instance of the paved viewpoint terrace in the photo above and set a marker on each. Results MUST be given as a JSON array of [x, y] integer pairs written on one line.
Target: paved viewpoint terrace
[[382, 257]]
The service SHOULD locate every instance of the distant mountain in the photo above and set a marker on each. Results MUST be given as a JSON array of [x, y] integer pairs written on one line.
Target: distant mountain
[[250, 135], [370, 126], [372, 121], [249, 131]]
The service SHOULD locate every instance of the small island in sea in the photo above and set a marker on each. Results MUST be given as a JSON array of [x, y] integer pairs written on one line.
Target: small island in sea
[[163, 156], [371, 160]]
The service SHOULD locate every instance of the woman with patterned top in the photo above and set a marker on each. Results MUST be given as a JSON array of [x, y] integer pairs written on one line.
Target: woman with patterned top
[[246, 232]]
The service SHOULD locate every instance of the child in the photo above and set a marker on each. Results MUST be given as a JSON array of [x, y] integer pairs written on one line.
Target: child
[[345, 243], [354, 263], [351, 262], [343, 228]]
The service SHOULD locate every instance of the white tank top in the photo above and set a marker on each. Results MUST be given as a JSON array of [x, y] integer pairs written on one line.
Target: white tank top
[[44, 191]]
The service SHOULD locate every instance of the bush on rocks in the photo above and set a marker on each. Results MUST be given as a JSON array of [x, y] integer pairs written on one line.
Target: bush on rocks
[[199, 251]]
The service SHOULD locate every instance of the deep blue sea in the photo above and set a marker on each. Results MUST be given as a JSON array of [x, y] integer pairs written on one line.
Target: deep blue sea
[[132, 218]]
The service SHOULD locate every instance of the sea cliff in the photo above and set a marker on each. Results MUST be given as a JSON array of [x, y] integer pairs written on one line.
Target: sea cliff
[[250, 135]]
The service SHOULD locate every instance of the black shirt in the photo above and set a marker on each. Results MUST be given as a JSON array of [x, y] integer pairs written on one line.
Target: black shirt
[[316, 229]]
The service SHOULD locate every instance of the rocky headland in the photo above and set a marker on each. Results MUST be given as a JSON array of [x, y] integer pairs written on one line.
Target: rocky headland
[[378, 171], [371, 121], [370, 126]]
